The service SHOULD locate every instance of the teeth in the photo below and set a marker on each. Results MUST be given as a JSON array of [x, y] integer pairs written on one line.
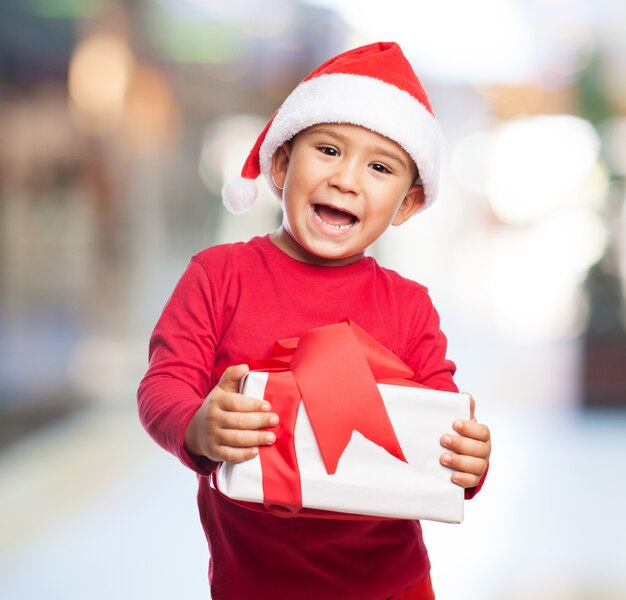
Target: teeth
[[337, 227]]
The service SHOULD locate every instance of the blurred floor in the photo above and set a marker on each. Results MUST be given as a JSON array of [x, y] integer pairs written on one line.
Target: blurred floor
[[91, 508]]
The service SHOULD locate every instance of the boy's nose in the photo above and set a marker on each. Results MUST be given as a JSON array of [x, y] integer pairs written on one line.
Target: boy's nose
[[346, 177]]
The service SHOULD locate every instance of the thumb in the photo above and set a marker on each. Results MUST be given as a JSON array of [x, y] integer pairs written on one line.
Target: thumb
[[231, 377], [472, 406]]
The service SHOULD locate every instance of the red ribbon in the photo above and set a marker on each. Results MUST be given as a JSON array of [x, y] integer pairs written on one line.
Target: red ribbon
[[334, 371]]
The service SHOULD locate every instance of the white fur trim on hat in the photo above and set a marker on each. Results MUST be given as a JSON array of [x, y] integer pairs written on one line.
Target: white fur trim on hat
[[239, 194], [365, 101]]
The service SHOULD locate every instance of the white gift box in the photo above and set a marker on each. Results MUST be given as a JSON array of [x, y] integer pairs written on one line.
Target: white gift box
[[369, 481]]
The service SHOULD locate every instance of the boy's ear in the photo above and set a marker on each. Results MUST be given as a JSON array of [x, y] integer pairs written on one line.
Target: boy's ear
[[280, 162], [412, 202]]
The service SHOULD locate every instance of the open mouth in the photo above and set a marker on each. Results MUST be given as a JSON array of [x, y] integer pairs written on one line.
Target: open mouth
[[334, 217]]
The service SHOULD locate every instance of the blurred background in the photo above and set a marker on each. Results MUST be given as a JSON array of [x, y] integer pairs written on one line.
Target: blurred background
[[119, 121]]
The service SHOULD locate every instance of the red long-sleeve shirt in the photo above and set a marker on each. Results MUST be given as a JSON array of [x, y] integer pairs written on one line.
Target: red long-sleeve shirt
[[230, 305]]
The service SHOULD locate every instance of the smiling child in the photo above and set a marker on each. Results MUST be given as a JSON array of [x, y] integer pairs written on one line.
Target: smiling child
[[354, 149]]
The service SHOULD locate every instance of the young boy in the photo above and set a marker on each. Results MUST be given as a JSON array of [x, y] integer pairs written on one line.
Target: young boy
[[354, 149]]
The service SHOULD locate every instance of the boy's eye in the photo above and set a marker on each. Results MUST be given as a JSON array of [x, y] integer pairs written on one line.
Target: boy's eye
[[380, 168], [328, 150]]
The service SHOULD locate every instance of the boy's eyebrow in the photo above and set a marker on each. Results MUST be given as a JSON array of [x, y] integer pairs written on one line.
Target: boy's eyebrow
[[373, 148]]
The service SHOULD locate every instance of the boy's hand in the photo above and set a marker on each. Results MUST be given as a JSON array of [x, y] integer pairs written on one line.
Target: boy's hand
[[226, 426], [471, 450]]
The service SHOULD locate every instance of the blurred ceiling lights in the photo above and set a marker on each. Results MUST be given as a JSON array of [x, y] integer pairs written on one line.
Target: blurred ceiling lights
[[451, 39], [481, 42]]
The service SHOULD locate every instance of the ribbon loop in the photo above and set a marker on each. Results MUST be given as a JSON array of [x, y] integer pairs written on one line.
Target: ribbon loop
[[340, 393]]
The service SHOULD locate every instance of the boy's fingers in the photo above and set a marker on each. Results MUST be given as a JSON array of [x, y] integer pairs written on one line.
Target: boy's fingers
[[464, 464], [472, 429], [465, 480], [231, 377], [236, 455], [247, 420], [241, 438], [466, 446], [238, 403]]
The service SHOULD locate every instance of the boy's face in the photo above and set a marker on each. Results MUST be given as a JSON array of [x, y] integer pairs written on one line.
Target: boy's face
[[343, 185]]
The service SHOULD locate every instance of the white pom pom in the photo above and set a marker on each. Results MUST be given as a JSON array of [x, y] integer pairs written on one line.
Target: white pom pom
[[239, 194]]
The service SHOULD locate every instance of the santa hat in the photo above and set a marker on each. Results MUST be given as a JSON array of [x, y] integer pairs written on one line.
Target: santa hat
[[372, 86]]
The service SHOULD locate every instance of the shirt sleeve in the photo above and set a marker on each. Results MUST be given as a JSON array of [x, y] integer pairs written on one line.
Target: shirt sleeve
[[427, 347], [471, 492], [427, 350], [181, 355]]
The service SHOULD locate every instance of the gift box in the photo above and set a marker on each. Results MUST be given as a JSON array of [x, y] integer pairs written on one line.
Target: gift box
[[356, 436]]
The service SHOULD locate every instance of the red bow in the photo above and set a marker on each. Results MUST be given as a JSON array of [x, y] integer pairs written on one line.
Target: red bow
[[334, 370]]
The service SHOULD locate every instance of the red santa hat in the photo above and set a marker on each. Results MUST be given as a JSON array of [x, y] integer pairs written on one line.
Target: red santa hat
[[373, 86]]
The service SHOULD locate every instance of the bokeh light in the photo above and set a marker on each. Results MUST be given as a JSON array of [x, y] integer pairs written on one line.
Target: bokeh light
[[427, 29], [100, 72], [541, 164], [151, 111]]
